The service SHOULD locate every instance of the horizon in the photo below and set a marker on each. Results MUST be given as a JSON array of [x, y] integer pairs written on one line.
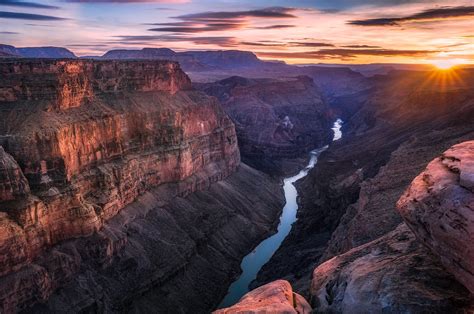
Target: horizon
[[91, 57], [298, 32]]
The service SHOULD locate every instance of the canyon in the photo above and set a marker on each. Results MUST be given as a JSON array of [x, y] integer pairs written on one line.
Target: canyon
[[130, 184], [349, 239], [277, 120], [122, 170]]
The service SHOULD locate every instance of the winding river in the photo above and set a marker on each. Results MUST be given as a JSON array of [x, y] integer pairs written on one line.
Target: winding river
[[254, 261]]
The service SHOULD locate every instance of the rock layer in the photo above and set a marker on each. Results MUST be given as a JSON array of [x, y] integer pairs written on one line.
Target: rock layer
[[438, 206], [276, 297], [162, 253], [81, 141]]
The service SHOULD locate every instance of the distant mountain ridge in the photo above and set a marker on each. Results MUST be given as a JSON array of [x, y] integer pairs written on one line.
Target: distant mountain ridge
[[206, 60], [193, 60], [37, 52]]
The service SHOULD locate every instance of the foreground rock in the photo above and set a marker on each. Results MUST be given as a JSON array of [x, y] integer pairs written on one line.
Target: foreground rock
[[393, 274], [101, 168], [276, 297], [439, 208], [276, 120]]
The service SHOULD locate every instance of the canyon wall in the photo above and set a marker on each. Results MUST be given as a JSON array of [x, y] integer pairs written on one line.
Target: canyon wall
[[348, 213], [276, 119], [84, 140], [438, 208]]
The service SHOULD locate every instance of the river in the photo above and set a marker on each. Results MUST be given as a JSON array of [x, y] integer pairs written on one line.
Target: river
[[254, 261]]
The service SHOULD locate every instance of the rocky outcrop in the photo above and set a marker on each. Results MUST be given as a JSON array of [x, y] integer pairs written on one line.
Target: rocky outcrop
[[275, 297], [276, 120], [393, 274], [84, 140], [438, 206]]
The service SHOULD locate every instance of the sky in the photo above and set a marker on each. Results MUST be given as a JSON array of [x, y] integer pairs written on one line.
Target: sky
[[296, 31]]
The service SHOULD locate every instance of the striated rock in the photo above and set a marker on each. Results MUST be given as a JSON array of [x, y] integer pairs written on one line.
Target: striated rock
[[393, 274], [162, 253], [275, 119], [89, 138], [275, 297], [13, 184], [60, 85], [438, 206]]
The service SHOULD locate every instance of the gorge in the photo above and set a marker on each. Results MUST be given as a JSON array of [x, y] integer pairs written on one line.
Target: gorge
[[127, 187], [253, 262]]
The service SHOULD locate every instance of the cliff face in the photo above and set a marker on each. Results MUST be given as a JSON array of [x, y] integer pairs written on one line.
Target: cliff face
[[163, 253], [81, 141], [349, 199], [275, 120], [438, 208]]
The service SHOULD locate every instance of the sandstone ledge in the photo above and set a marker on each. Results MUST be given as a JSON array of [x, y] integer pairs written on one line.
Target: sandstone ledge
[[276, 297]]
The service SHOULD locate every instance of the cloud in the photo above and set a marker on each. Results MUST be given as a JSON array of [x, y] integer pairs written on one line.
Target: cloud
[[340, 53], [9, 33], [273, 12], [15, 3], [361, 47], [262, 44], [334, 6], [130, 1], [223, 41], [87, 45], [309, 44], [278, 26], [28, 16], [427, 15], [223, 21], [193, 27]]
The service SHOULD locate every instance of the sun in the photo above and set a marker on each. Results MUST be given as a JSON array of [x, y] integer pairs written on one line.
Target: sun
[[445, 64]]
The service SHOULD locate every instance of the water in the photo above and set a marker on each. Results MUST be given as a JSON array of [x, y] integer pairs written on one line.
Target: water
[[253, 262]]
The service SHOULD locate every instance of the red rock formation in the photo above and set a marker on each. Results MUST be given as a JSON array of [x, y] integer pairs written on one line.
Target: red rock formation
[[438, 206], [90, 137], [60, 85], [276, 297], [146, 258], [275, 119]]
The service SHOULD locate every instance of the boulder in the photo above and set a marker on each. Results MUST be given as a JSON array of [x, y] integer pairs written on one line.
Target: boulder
[[275, 297]]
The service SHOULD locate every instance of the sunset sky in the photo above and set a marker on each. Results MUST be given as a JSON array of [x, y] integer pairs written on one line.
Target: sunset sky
[[298, 31]]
